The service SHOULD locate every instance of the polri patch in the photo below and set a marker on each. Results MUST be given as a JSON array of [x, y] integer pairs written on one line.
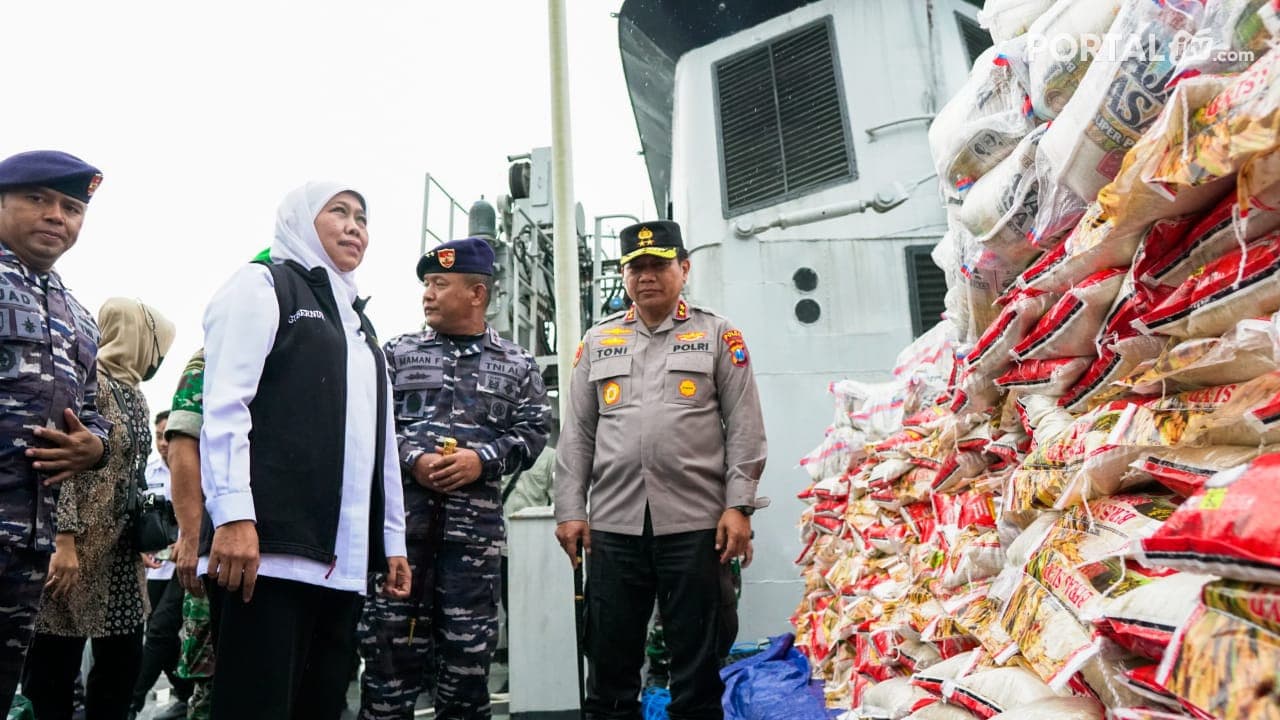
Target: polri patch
[[577, 355], [737, 348], [612, 393]]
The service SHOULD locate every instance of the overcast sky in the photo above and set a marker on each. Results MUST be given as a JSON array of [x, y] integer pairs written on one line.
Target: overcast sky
[[202, 116]]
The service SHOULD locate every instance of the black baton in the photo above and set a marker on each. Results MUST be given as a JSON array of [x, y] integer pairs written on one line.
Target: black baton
[[579, 610]]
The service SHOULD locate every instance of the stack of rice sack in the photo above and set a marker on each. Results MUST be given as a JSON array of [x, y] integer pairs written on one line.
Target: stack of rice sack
[[1064, 503]]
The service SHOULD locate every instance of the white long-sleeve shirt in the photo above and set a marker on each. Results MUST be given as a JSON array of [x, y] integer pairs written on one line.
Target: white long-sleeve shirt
[[158, 484], [240, 329]]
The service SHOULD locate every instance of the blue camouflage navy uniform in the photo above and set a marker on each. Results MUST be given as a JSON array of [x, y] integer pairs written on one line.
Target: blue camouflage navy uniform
[[488, 394], [48, 363]]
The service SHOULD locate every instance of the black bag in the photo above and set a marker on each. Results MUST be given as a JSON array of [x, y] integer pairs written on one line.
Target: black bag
[[150, 523]]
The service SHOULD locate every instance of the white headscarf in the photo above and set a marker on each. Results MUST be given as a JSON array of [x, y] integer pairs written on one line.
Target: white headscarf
[[296, 237]]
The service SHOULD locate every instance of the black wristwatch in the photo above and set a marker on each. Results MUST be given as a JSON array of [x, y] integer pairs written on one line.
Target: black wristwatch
[[747, 510]]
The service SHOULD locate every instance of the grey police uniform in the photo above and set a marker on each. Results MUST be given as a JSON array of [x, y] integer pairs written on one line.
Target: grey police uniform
[[664, 433]]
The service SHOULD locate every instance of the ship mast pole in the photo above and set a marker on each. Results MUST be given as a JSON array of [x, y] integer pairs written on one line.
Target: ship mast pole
[[567, 291]]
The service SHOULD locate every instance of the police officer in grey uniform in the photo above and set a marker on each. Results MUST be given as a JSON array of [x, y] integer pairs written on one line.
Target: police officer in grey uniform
[[459, 380], [49, 424], [666, 436]]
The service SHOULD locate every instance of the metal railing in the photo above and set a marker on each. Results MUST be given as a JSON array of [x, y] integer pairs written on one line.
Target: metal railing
[[454, 208]]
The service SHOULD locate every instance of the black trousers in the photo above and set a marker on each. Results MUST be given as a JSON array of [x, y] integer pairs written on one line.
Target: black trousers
[[53, 664], [695, 596], [285, 654], [161, 645]]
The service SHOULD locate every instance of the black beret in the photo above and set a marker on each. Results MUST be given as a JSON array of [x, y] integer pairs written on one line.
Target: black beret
[[52, 169], [473, 256], [656, 237]]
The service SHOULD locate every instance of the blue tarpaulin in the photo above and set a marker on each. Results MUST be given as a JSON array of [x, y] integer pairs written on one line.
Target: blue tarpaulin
[[773, 684]]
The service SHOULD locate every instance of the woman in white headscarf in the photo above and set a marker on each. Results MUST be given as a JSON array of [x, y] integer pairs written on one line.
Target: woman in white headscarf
[[94, 587], [299, 466]]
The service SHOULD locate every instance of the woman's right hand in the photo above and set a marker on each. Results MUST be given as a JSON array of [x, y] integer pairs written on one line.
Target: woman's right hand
[[64, 566]]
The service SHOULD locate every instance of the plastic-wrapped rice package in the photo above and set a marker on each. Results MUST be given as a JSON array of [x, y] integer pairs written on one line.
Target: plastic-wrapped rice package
[[1103, 677], [1222, 662], [1237, 285], [941, 711], [988, 273], [1248, 350], [1229, 528], [1070, 327], [1050, 378], [933, 677], [1215, 234], [1250, 416], [991, 692], [1092, 246], [1007, 19], [1001, 207], [1059, 50], [1143, 713], [1222, 137], [872, 408], [1142, 682], [1113, 363], [1120, 95], [1063, 708], [990, 356], [981, 124], [1131, 202], [893, 700], [1232, 35], [1185, 470], [1144, 618]]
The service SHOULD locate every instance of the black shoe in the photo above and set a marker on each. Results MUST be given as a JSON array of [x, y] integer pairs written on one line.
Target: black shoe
[[176, 711]]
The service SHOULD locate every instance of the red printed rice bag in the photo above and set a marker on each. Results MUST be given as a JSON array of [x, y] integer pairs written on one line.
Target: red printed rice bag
[[1240, 284], [893, 699], [1216, 234], [1070, 327], [1144, 618], [1241, 354], [1185, 470], [1142, 681], [1063, 708], [991, 355], [1231, 528], [1050, 378], [933, 677]]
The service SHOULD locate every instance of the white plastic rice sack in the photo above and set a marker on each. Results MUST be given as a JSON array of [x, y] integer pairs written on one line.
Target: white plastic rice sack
[[1007, 19], [941, 711], [1241, 354], [1060, 48], [953, 668], [1143, 620], [1121, 94], [1051, 378], [893, 699], [1001, 207], [1232, 35], [872, 408], [1063, 708], [1070, 327], [1185, 470], [981, 124], [991, 692]]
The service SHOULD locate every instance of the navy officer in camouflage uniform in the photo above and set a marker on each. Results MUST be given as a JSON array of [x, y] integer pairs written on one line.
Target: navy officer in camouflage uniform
[[458, 379], [49, 424]]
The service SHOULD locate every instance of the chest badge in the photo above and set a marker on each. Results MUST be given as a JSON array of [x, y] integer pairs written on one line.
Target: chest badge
[[612, 393], [688, 388], [690, 336], [612, 341]]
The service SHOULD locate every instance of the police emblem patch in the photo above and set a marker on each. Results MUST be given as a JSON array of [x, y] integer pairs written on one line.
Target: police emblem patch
[[577, 355], [688, 388], [447, 256], [737, 348], [612, 393], [644, 238], [93, 185]]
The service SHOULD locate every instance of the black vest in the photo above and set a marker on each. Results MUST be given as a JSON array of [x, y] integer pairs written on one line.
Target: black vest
[[297, 442]]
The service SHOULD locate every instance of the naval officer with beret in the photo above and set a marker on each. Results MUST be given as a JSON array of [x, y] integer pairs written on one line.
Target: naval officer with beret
[[458, 380], [665, 435], [50, 427]]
